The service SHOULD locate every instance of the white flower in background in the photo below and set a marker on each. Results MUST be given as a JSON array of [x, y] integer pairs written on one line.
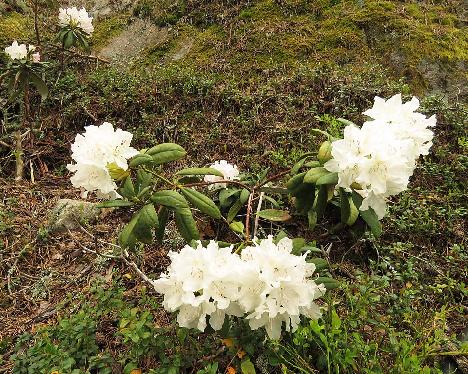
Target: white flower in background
[[267, 284], [18, 51], [378, 159], [93, 152], [76, 18], [229, 171]]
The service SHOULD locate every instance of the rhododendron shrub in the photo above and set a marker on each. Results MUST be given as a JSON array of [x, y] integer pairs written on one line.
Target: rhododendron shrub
[[24, 68], [368, 166], [266, 284], [76, 26]]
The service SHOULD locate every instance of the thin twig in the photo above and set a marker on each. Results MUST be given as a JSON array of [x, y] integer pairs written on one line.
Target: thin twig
[[257, 217], [247, 217], [204, 184], [89, 57]]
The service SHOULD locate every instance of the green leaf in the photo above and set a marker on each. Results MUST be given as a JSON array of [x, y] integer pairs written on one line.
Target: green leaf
[[68, 40], [312, 164], [247, 367], [369, 215], [201, 202], [147, 219], [166, 152], [295, 182], [200, 171], [226, 194], [126, 237], [344, 204], [163, 217], [274, 215], [143, 180], [330, 178], [40, 85], [244, 196], [237, 226], [235, 208], [312, 218], [320, 263], [170, 199], [321, 200], [117, 203], [329, 283], [345, 122], [314, 174], [297, 166], [140, 159], [127, 190], [186, 224]]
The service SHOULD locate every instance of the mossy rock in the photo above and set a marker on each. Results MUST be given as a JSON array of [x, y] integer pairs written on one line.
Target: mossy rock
[[15, 26], [70, 214]]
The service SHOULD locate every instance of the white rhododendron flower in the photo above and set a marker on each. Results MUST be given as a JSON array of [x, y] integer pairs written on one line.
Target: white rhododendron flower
[[229, 171], [19, 51], [378, 159], [93, 152], [267, 284], [76, 18]]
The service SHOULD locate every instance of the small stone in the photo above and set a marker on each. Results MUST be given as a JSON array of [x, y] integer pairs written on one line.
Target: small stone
[[70, 214]]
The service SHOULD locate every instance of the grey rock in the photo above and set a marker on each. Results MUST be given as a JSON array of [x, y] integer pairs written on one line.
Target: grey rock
[[69, 214]]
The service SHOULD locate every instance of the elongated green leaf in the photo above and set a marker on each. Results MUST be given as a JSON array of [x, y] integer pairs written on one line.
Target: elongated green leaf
[[166, 152], [68, 40], [170, 199], [114, 204], [225, 196], [329, 283], [369, 216], [346, 122], [143, 180], [312, 218], [163, 217], [140, 159], [320, 263], [126, 238], [344, 205], [235, 208], [201, 202], [274, 215], [147, 219], [40, 85], [293, 184], [321, 200], [314, 174], [330, 178], [312, 164], [127, 190], [200, 171], [244, 196], [297, 166], [186, 224], [237, 226]]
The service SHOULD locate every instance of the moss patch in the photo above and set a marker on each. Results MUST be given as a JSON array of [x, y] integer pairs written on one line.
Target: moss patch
[[108, 28], [15, 26]]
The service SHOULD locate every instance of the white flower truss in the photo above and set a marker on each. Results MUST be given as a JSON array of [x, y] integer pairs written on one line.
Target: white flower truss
[[19, 51], [94, 151], [76, 18], [267, 284], [229, 171], [378, 159]]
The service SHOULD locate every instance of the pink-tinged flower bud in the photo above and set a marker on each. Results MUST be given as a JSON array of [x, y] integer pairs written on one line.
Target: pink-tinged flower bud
[[36, 57]]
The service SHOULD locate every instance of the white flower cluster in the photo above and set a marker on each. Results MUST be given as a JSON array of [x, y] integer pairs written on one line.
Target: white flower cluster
[[266, 283], [229, 171], [77, 18], [20, 52], [378, 159], [94, 151]]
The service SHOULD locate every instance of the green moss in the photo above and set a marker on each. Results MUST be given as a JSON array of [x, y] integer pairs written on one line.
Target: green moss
[[107, 28], [15, 26]]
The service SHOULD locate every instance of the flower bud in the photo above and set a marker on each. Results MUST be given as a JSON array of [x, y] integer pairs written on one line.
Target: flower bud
[[36, 57], [324, 153]]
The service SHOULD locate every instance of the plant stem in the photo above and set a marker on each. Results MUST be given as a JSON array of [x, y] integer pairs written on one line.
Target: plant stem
[[36, 23]]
